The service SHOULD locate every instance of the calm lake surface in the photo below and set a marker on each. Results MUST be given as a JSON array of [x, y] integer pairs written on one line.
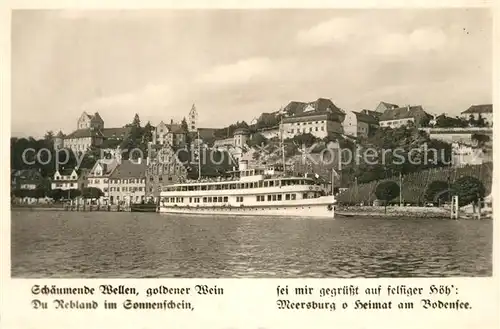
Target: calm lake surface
[[138, 245]]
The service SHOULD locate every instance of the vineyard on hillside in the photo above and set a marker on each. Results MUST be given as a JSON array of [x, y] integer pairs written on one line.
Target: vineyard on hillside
[[415, 184]]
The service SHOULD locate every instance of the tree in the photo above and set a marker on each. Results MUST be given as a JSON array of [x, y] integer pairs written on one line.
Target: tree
[[92, 193], [57, 194], [257, 139], [185, 128], [387, 191], [72, 193], [435, 190], [147, 134], [306, 139], [136, 122], [468, 189], [49, 135]]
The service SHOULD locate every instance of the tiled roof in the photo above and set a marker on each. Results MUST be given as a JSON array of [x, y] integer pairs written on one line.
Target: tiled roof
[[363, 117], [320, 105], [107, 165], [374, 114], [312, 116], [130, 169], [84, 133], [403, 113], [483, 108], [241, 131], [389, 105], [116, 133], [295, 107], [176, 128]]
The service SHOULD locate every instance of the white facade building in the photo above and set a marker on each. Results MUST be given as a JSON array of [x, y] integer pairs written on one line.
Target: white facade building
[[67, 179]]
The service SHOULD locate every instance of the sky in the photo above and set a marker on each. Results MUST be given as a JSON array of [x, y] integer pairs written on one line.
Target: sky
[[235, 64]]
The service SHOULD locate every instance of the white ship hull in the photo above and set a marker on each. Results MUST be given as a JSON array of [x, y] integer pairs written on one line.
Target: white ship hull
[[255, 193], [304, 210]]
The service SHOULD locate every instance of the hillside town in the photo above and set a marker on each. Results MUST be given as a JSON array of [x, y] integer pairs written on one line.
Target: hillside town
[[120, 177]]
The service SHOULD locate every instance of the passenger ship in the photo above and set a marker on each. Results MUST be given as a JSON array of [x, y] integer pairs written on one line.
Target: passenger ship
[[252, 192]]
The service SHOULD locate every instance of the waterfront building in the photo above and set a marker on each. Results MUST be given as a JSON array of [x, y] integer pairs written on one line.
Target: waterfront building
[[404, 116], [484, 111], [127, 182], [68, 179], [163, 168], [99, 176]]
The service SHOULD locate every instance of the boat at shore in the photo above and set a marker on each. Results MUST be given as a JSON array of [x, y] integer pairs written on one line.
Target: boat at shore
[[143, 207], [252, 192]]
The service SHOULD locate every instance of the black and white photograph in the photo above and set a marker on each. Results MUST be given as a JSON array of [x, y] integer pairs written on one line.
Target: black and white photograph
[[251, 143]]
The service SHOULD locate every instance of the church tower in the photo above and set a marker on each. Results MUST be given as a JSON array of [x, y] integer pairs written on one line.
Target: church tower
[[193, 120]]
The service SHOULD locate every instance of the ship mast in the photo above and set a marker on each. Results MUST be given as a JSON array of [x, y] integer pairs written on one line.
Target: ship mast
[[282, 141], [199, 156]]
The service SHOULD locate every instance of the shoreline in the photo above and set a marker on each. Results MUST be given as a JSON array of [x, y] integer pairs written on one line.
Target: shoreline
[[343, 212]]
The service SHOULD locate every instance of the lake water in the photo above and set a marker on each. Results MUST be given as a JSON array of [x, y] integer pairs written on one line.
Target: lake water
[[138, 245]]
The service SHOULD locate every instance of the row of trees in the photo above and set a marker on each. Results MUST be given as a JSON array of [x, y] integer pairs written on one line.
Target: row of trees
[[59, 194], [468, 189]]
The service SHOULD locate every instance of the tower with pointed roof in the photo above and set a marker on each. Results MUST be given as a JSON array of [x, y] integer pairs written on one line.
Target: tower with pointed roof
[[193, 119]]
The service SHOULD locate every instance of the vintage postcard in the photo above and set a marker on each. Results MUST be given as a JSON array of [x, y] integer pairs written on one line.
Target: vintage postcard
[[225, 167]]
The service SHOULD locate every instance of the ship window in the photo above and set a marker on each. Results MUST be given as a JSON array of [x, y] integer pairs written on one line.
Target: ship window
[[266, 184], [304, 196], [209, 199], [204, 199], [293, 196], [225, 199], [287, 196], [190, 200], [268, 198], [239, 199], [214, 199], [172, 199], [220, 199], [279, 197], [274, 197], [271, 183]]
